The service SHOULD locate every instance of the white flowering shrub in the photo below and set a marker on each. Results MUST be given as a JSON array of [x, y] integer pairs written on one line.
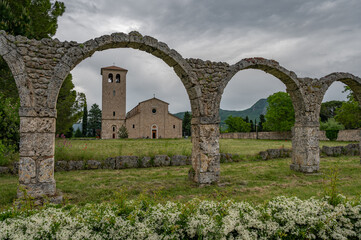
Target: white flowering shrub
[[280, 218]]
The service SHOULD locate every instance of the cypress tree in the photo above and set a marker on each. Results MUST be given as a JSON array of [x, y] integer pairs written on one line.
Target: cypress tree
[[85, 120]]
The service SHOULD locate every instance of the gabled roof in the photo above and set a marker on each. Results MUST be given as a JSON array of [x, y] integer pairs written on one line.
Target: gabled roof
[[112, 68], [135, 110], [153, 98]]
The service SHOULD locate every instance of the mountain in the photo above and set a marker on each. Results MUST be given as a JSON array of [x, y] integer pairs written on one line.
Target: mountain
[[260, 107]]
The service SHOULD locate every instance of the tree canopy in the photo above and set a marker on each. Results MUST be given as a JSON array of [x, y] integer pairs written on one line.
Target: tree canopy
[[280, 114], [31, 18], [95, 119], [328, 110], [237, 124], [69, 106], [186, 124], [349, 114]]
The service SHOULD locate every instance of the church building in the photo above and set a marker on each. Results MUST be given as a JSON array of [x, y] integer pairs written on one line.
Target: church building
[[149, 119]]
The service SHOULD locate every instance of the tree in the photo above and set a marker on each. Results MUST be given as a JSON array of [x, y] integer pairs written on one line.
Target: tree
[[123, 132], [85, 120], [252, 126], [68, 107], [328, 110], [78, 133], [95, 120], [262, 120], [349, 114], [31, 18], [9, 122], [186, 124], [237, 124], [280, 114]]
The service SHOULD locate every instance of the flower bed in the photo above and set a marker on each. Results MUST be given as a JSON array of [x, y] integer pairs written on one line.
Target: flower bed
[[280, 218]]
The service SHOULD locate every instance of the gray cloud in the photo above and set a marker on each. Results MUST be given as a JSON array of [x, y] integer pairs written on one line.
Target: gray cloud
[[311, 37]]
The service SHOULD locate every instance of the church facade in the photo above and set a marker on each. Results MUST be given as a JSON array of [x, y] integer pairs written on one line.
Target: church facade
[[149, 119]]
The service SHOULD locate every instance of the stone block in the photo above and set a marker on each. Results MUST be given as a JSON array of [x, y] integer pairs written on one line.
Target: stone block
[[352, 149], [126, 162], [161, 161], [92, 164], [39, 125], [37, 190], [4, 170], [109, 163], [179, 160], [263, 155], [27, 170], [145, 162], [46, 170], [337, 151], [273, 153], [327, 150], [37, 144], [61, 166], [76, 165]]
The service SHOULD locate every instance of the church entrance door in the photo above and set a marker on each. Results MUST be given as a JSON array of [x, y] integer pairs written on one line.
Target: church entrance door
[[154, 134]]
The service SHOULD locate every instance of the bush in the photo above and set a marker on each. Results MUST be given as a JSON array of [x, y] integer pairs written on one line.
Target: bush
[[280, 218], [9, 121], [123, 132], [332, 128], [8, 154], [78, 133], [331, 124], [332, 134]]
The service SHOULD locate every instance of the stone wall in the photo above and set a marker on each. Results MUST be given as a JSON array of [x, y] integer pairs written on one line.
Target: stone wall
[[343, 135]]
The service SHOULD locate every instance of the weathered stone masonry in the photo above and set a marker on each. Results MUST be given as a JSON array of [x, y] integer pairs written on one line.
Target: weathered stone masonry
[[39, 68]]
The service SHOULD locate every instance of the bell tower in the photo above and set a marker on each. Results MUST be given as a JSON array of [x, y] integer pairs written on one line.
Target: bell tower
[[113, 100]]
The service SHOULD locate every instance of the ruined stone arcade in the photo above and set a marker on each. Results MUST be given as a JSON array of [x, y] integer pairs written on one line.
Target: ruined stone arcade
[[39, 68]]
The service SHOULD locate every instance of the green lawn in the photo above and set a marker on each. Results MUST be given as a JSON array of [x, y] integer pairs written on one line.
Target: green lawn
[[255, 181], [102, 149]]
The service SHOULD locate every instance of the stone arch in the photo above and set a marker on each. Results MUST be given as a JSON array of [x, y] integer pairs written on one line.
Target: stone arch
[[273, 68], [348, 79], [74, 53], [305, 155], [16, 64]]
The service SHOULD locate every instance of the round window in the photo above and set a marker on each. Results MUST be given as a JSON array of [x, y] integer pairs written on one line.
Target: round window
[[154, 110]]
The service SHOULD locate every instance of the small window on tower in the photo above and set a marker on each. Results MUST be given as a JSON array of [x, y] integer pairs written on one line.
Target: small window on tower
[[133, 126], [113, 128], [113, 114], [173, 126], [113, 92], [110, 78], [117, 78]]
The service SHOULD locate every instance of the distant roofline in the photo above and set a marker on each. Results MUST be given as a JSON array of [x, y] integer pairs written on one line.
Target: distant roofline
[[175, 116], [152, 99], [112, 68]]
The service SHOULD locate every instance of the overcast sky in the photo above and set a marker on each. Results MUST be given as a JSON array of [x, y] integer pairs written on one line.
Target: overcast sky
[[310, 37]]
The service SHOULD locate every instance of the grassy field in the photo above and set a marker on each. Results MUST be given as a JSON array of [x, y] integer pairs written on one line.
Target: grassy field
[[255, 181], [102, 149]]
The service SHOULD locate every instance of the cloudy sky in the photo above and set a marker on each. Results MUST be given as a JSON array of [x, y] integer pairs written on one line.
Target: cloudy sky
[[310, 37]]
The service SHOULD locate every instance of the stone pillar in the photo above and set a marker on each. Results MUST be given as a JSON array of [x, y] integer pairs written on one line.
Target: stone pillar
[[305, 149], [36, 166], [205, 153]]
